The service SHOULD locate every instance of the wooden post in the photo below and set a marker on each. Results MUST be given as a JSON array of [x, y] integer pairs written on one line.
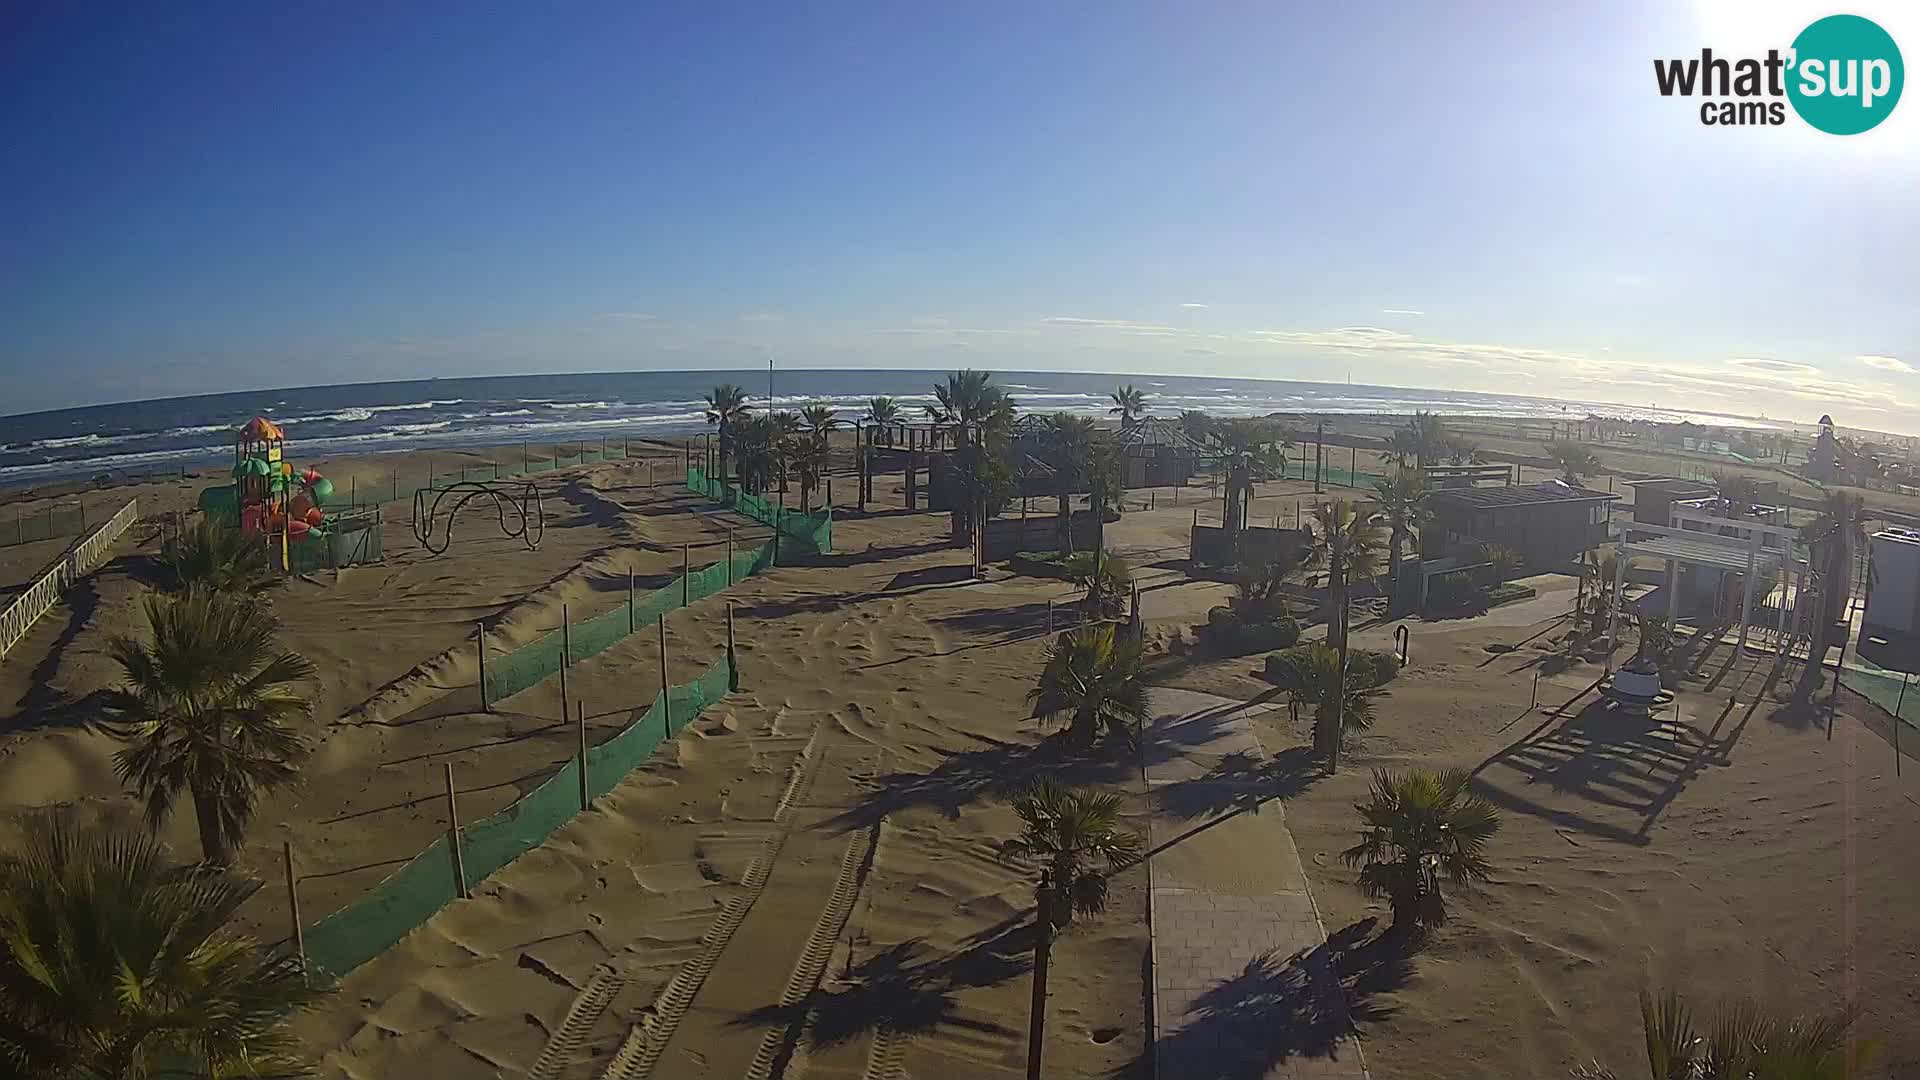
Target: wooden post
[[453, 838], [666, 691], [1904, 678], [480, 639], [729, 559], [566, 657], [630, 607], [580, 725], [733, 657], [1049, 617], [686, 568], [293, 907]]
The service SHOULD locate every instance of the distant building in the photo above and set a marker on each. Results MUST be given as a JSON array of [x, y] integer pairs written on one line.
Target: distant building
[[1550, 525]]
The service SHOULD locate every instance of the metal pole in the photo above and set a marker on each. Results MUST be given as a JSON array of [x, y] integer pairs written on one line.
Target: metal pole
[[686, 568], [1904, 678], [666, 691], [630, 607], [729, 559], [733, 657], [1049, 616], [480, 639], [293, 906], [580, 725], [453, 837], [566, 657]]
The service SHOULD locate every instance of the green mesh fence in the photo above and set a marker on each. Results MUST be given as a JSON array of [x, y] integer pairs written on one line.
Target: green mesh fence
[[527, 665], [1899, 695], [813, 529], [390, 489], [379, 920], [19, 527]]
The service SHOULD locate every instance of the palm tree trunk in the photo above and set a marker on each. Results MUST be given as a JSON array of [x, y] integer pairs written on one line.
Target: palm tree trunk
[[1066, 521], [1337, 585], [213, 841], [1042, 953]]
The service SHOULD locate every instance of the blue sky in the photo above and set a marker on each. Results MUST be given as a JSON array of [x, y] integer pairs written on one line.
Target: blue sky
[[1486, 196]]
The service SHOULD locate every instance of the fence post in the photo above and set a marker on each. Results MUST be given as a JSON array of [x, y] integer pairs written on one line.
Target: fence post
[[666, 691], [453, 837], [586, 796], [1049, 617], [480, 638], [686, 568], [293, 906], [630, 609], [733, 661], [566, 657], [729, 559]]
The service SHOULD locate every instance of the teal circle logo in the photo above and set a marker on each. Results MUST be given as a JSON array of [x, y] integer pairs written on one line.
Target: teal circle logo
[[1846, 74]]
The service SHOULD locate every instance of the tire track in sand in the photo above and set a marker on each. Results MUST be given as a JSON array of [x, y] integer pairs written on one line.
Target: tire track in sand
[[779, 1044], [588, 1006], [640, 1051]]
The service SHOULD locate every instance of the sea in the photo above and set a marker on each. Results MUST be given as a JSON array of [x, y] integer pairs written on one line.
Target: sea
[[138, 437]]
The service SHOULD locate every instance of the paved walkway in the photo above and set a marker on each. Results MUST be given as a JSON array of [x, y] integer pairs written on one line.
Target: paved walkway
[[1243, 988]]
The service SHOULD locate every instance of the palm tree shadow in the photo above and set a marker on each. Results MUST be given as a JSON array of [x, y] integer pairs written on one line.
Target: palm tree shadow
[[1001, 769], [1279, 1008], [1238, 783], [904, 992]]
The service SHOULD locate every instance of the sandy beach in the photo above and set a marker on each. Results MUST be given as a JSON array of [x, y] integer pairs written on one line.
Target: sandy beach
[[806, 881]]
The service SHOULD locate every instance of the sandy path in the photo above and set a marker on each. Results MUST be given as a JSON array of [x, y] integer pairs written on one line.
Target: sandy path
[[900, 677]]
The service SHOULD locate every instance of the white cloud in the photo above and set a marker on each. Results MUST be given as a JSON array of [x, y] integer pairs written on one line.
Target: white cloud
[[635, 316], [1759, 363], [1194, 307], [1123, 325], [1400, 311], [1889, 363]]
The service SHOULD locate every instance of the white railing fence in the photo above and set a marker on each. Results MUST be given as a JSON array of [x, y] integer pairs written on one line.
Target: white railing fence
[[80, 560]]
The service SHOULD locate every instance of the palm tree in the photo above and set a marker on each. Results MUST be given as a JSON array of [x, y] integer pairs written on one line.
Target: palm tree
[[113, 964], [1092, 676], [211, 709], [727, 408], [1105, 577], [216, 557], [1425, 439], [1253, 450], [1402, 498], [1743, 1042], [978, 414], [883, 411], [1833, 537], [1312, 675], [757, 446], [1129, 404], [1197, 424], [1419, 828], [1076, 839], [1576, 461], [1069, 442], [1350, 545]]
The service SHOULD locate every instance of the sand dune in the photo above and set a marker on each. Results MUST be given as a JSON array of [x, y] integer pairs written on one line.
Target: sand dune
[[806, 882]]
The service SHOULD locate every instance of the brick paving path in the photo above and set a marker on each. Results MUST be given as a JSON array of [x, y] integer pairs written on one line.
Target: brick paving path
[[1243, 983]]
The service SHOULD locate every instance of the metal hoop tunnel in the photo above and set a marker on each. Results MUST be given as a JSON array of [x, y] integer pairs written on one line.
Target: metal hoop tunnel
[[521, 517]]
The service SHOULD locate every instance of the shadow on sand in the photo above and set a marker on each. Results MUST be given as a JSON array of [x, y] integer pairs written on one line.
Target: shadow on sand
[[1280, 1008]]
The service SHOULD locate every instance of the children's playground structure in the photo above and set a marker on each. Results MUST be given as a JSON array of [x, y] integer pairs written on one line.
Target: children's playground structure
[[287, 508]]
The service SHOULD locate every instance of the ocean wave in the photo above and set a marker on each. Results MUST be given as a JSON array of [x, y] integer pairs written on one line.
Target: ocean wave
[[66, 441], [579, 405], [511, 412], [414, 429], [361, 413]]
